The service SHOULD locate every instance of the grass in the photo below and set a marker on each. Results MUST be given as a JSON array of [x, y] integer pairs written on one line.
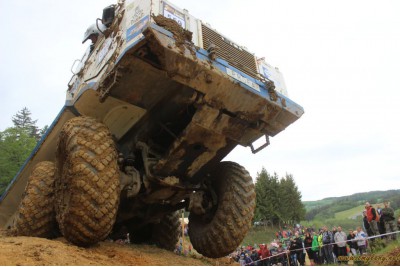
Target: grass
[[259, 235], [389, 247], [350, 213], [386, 253]]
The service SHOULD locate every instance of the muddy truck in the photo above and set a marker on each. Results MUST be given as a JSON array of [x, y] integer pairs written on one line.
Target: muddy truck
[[153, 107]]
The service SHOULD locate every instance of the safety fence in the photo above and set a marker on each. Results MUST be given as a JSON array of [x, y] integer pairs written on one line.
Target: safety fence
[[287, 252]]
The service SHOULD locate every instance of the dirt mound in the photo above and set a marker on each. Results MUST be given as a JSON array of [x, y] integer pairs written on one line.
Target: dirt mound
[[391, 258], [39, 251]]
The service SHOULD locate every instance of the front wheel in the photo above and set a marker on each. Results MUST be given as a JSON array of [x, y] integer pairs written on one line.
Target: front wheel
[[219, 232], [87, 181]]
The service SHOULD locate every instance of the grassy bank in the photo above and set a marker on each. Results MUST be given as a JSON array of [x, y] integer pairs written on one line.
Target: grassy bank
[[259, 235]]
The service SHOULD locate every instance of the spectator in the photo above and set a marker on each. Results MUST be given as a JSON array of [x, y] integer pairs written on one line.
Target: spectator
[[327, 240], [334, 247], [388, 219], [300, 249], [293, 252], [321, 255], [361, 241], [263, 254], [281, 258], [308, 240], [242, 262], [248, 261], [381, 223], [366, 226], [352, 243], [314, 259], [178, 249], [340, 240], [235, 255], [254, 257], [378, 209], [373, 218], [284, 234]]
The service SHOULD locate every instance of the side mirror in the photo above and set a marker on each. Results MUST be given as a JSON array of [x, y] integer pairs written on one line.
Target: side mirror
[[108, 15]]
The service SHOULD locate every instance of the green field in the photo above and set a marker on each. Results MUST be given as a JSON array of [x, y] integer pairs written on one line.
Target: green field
[[350, 213], [260, 235]]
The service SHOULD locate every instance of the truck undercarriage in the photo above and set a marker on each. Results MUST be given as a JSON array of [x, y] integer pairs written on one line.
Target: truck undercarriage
[[142, 135]]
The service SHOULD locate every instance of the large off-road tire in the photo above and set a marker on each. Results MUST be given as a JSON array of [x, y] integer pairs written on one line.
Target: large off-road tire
[[36, 216], [166, 234], [220, 232], [87, 181]]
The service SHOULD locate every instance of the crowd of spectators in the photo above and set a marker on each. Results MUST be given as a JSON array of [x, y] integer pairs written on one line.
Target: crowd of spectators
[[321, 246]]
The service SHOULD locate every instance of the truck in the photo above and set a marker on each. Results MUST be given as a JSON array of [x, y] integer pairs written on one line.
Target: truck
[[152, 109]]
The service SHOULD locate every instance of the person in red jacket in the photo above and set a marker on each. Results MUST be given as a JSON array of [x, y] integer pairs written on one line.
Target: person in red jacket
[[264, 253], [373, 218]]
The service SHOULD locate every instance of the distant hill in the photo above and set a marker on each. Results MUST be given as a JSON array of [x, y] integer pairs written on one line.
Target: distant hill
[[348, 207], [372, 197]]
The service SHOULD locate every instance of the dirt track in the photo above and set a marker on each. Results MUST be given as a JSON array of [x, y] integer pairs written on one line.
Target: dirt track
[[39, 251]]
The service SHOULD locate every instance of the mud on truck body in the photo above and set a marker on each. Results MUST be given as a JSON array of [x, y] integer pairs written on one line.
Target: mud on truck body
[[150, 113]]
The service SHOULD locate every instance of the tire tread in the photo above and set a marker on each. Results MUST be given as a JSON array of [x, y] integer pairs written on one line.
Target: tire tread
[[234, 214]]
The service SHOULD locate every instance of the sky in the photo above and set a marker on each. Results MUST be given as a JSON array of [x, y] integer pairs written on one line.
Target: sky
[[340, 60]]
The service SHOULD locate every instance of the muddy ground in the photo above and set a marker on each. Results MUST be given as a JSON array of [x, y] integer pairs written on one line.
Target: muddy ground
[[39, 251]]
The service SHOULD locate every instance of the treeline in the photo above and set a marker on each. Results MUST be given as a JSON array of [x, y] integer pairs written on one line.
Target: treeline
[[16, 144], [328, 211], [278, 200]]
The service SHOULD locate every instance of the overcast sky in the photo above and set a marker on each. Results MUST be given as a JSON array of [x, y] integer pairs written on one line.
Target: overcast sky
[[340, 60]]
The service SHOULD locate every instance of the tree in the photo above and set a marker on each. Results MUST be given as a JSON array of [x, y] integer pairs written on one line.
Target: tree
[[292, 208], [23, 121], [16, 144], [277, 200], [43, 130], [15, 147], [264, 207]]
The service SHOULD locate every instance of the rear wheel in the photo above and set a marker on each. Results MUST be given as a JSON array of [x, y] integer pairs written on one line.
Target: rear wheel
[[36, 216], [221, 230], [87, 181], [164, 234]]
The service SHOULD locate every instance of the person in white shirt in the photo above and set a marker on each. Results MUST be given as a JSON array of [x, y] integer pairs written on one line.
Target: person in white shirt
[[340, 239], [361, 241]]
